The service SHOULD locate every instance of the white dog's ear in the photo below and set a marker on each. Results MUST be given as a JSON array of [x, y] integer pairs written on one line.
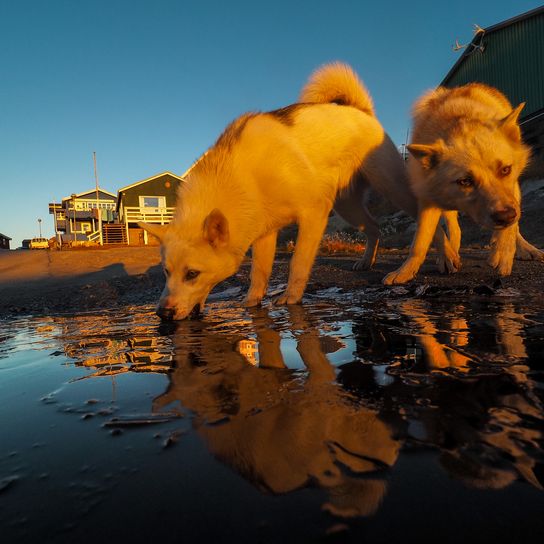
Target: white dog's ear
[[428, 155], [216, 229], [156, 230], [509, 125]]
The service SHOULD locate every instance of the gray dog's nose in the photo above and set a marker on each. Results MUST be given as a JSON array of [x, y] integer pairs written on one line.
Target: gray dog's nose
[[166, 314], [504, 217]]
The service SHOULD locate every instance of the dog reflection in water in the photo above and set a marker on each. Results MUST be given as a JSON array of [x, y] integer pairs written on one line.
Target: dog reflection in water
[[280, 429], [479, 422]]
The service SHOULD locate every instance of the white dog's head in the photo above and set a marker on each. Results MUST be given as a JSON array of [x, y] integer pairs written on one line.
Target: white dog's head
[[194, 259], [476, 171]]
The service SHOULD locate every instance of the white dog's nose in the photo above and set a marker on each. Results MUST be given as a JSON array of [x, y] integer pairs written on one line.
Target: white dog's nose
[[166, 314]]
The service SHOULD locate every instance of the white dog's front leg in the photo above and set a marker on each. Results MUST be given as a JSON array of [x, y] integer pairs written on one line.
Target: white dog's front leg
[[503, 249], [427, 221], [262, 255], [310, 232]]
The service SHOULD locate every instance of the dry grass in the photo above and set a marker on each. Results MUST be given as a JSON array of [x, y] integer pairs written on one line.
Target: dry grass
[[339, 242]]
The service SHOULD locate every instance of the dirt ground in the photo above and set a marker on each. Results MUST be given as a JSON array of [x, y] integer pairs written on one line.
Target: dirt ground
[[52, 282]]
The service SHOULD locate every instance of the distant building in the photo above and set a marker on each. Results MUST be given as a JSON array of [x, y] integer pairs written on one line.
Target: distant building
[[4, 241], [113, 219], [81, 217], [151, 200], [510, 57]]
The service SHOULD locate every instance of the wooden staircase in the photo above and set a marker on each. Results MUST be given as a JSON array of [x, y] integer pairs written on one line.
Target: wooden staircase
[[114, 233]]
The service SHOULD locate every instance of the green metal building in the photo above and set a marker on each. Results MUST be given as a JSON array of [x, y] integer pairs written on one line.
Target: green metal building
[[510, 57]]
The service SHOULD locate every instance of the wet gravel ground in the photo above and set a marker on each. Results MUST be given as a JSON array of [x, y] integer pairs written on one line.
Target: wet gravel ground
[[94, 291]]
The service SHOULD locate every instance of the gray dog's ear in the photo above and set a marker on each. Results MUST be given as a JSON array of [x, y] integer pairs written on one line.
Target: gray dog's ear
[[509, 125], [216, 229], [156, 230], [428, 155]]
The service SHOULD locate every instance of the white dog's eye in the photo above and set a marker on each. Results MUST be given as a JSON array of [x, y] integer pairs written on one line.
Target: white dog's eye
[[191, 274], [465, 182], [505, 171]]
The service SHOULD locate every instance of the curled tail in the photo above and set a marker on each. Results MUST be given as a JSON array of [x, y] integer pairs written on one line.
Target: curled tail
[[337, 83]]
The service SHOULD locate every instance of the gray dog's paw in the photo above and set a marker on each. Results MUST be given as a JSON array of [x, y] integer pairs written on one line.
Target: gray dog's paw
[[529, 253], [286, 298], [448, 266]]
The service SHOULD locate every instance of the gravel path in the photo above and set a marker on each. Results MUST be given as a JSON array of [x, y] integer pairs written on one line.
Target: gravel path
[[49, 282]]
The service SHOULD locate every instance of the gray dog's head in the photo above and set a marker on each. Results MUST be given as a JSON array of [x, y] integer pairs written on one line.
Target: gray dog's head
[[476, 171]]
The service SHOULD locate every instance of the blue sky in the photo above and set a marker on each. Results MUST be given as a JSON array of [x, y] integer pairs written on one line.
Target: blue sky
[[149, 85]]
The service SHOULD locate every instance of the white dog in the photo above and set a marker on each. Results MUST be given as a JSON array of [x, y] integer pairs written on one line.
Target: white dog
[[268, 170]]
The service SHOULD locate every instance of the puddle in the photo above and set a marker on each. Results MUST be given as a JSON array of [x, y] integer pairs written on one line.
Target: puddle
[[412, 419]]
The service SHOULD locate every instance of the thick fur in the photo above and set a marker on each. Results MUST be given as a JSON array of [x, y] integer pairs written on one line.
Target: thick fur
[[467, 155], [268, 170]]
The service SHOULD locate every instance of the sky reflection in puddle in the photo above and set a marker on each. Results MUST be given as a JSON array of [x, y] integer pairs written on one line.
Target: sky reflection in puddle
[[300, 422]]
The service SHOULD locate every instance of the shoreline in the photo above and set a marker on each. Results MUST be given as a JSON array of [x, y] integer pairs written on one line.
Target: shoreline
[[43, 283]]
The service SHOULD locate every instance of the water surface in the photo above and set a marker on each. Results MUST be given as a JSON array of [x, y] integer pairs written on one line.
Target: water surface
[[353, 420]]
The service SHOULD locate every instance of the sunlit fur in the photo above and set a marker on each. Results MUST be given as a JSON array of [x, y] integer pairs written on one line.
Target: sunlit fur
[[268, 170], [466, 133]]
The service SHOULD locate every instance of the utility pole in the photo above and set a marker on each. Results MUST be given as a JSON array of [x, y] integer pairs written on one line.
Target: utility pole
[[40, 226], [98, 211], [73, 196], [95, 177], [405, 153]]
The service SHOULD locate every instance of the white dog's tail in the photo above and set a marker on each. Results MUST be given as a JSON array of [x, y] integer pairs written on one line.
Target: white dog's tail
[[338, 83]]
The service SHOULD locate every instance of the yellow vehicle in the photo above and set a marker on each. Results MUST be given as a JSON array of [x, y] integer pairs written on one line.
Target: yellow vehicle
[[39, 243]]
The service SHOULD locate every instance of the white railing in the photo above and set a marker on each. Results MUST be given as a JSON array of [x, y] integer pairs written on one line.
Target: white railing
[[132, 214], [94, 236]]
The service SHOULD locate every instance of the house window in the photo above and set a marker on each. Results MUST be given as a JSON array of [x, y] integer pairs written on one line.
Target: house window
[[152, 202], [86, 227]]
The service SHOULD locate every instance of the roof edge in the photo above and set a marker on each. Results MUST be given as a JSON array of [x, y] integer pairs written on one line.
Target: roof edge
[[146, 180], [498, 26], [90, 191]]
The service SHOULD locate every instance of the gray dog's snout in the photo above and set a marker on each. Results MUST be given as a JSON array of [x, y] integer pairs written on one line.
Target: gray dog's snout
[[166, 314], [504, 217]]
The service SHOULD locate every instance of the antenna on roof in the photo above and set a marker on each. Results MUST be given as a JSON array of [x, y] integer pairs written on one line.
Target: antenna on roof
[[475, 44], [458, 46]]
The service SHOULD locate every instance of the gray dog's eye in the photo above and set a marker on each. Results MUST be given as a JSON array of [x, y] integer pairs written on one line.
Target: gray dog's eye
[[191, 274], [465, 182]]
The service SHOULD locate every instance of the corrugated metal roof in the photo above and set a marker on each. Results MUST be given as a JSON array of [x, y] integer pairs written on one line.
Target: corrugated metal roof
[[509, 56]]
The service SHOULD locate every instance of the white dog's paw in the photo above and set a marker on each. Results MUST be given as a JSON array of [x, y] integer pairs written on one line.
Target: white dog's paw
[[529, 253], [251, 301], [401, 275], [501, 263], [286, 298]]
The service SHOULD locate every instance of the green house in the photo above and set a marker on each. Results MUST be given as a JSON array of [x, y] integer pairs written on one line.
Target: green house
[[151, 200], [510, 57]]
